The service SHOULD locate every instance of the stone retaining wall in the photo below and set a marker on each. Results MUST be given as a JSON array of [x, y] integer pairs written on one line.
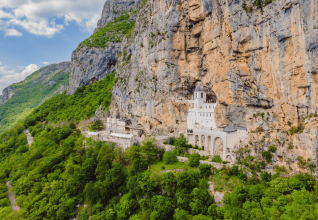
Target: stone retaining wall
[[216, 165], [168, 147]]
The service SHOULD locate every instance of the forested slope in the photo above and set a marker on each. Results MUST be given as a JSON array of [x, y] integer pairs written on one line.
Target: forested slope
[[30, 93]]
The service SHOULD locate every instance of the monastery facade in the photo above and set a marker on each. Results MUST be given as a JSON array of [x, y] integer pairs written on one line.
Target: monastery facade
[[202, 130]]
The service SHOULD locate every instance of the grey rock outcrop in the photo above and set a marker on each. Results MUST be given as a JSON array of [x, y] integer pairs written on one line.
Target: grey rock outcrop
[[92, 64], [6, 95]]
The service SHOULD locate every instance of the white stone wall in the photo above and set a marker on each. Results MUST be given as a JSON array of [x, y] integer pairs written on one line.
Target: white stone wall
[[234, 137], [202, 113]]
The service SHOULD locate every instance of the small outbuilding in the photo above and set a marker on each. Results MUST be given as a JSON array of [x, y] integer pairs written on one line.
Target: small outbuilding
[[125, 140]]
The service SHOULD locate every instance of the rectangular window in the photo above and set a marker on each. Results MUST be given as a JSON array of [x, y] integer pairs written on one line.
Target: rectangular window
[[202, 95]]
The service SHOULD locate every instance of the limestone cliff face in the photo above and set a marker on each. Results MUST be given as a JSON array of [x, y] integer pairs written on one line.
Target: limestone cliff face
[[254, 61], [6, 95]]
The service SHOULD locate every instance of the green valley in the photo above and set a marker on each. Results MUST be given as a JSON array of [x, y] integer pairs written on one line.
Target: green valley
[[31, 92]]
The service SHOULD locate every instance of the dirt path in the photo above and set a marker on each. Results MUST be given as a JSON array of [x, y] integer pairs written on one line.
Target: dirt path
[[12, 198], [29, 137]]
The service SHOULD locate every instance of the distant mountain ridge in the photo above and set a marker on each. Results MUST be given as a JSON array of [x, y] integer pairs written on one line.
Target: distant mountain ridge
[[19, 99]]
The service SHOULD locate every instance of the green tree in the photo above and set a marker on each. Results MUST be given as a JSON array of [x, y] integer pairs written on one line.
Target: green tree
[[194, 160], [104, 158], [180, 214], [205, 170], [201, 199], [97, 125], [169, 157], [149, 148], [126, 206], [181, 145]]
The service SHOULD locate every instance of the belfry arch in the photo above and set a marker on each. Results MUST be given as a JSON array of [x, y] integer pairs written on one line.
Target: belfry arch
[[202, 140]]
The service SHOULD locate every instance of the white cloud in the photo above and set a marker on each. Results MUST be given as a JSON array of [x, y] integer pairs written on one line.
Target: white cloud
[[46, 63], [5, 14], [38, 16], [13, 32], [7, 77]]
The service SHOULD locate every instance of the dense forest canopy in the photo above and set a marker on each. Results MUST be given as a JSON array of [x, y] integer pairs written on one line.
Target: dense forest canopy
[[63, 170]]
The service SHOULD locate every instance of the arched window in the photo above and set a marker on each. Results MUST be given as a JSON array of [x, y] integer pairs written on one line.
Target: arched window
[[202, 95]]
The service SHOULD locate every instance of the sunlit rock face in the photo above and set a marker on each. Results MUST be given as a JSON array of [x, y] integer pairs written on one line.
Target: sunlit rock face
[[259, 61]]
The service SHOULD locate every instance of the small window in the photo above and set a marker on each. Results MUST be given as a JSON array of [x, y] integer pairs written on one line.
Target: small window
[[202, 95]]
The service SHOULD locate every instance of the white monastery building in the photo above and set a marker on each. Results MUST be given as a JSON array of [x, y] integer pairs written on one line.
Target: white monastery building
[[202, 130]]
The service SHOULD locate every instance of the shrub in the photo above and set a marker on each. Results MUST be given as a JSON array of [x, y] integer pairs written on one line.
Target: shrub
[[205, 170], [250, 8], [267, 177], [297, 130], [96, 125], [181, 144], [301, 162], [194, 160], [244, 6], [243, 177], [169, 157], [141, 44], [4, 202], [171, 140], [217, 159], [272, 148], [263, 164], [268, 156], [72, 125], [268, 2], [235, 170]]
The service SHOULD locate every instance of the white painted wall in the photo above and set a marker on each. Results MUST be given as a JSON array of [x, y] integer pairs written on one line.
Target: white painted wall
[[202, 113]]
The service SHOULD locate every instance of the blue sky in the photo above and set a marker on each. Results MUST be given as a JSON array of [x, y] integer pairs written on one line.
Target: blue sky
[[34, 33]]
